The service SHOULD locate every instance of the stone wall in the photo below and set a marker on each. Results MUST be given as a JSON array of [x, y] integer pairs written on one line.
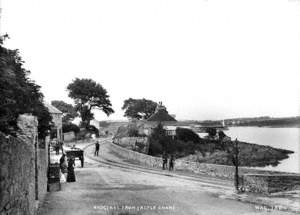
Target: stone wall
[[17, 176], [23, 168], [269, 183], [42, 165], [143, 159], [221, 171]]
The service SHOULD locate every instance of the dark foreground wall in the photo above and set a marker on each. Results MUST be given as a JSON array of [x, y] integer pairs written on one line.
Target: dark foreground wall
[[23, 170], [17, 176]]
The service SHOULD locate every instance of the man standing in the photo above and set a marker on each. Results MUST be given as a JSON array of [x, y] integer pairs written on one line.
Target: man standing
[[171, 162], [57, 147], [165, 160], [97, 147]]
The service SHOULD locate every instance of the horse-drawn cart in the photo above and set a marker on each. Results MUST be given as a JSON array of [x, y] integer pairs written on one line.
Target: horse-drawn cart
[[75, 153]]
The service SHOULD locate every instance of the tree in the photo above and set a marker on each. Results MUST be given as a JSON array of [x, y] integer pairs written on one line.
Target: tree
[[19, 94], [221, 135], [89, 95], [68, 127], [160, 142], [156, 144], [69, 112], [139, 108], [212, 132]]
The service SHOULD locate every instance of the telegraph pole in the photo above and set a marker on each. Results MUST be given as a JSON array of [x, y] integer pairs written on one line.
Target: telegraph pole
[[236, 158]]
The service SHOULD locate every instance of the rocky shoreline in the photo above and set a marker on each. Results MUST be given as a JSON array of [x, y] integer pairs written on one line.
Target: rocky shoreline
[[251, 155]]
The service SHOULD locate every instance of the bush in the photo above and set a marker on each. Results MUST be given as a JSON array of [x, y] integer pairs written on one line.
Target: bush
[[211, 131], [186, 135], [93, 130], [132, 132]]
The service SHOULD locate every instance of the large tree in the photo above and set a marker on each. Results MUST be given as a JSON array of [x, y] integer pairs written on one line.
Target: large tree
[[139, 108], [69, 112], [19, 94], [89, 95]]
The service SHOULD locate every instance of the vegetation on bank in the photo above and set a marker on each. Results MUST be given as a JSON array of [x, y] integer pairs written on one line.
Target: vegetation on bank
[[187, 145], [19, 94]]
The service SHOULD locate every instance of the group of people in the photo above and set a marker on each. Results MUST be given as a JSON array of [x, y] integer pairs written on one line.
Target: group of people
[[165, 159], [67, 167]]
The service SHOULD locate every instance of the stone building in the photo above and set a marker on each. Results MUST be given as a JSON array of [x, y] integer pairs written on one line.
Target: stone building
[[56, 119]]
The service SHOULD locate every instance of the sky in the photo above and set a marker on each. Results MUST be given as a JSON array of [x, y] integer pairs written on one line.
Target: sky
[[204, 59]]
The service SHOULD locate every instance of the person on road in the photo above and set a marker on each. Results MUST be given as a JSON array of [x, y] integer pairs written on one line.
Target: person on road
[[71, 173], [61, 143], [171, 162], [63, 168], [63, 163], [57, 147], [165, 160], [97, 147]]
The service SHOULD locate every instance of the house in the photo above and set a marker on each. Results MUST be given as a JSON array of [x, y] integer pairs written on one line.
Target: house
[[160, 115], [56, 119]]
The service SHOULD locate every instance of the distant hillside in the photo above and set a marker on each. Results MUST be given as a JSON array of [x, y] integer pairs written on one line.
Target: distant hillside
[[256, 121]]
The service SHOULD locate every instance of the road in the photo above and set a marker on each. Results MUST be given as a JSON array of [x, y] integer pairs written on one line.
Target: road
[[104, 188]]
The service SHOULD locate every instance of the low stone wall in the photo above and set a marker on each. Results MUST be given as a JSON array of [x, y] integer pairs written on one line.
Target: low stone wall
[[139, 144], [221, 171], [143, 159], [267, 183]]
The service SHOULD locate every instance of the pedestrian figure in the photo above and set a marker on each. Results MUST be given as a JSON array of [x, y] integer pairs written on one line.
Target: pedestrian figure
[[57, 147], [63, 168], [71, 173], [165, 160], [97, 147], [63, 164], [171, 162], [61, 143]]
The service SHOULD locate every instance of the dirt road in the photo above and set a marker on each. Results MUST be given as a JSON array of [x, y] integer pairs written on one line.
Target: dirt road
[[107, 189]]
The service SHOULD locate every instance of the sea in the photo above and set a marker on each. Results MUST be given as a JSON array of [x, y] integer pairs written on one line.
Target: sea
[[284, 138]]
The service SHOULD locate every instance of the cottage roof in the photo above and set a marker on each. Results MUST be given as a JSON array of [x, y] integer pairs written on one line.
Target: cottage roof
[[52, 109]]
